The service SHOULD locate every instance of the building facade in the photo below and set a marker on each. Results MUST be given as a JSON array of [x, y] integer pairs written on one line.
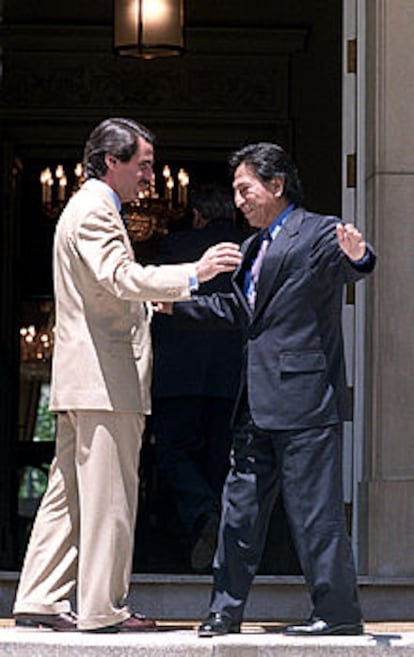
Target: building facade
[[335, 85]]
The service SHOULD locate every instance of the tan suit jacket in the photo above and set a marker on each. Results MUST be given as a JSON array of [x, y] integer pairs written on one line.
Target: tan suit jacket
[[84, 530], [102, 354]]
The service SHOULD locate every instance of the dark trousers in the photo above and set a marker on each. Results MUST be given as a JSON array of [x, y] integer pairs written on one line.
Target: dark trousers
[[193, 445], [305, 467]]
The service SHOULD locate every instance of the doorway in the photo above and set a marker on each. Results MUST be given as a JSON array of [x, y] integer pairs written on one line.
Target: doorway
[[288, 89]]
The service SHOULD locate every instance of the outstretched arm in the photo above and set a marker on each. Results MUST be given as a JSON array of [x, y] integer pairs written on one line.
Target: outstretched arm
[[222, 257]]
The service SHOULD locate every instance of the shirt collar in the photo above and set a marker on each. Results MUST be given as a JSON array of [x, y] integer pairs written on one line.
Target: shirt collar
[[111, 192], [280, 220]]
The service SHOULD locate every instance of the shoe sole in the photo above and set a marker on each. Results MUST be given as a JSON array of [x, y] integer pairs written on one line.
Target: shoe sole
[[341, 630], [207, 634], [34, 625]]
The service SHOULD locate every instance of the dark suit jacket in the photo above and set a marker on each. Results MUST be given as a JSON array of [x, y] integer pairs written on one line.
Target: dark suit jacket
[[196, 362], [294, 369]]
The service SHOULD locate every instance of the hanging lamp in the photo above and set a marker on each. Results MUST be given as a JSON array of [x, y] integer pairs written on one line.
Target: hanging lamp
[[148, 28]]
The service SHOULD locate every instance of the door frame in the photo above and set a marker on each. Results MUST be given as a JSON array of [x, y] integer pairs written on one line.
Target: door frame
[[353, 209]]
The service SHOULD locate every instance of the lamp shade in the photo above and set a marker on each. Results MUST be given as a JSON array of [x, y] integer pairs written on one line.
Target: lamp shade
[[148, 28]]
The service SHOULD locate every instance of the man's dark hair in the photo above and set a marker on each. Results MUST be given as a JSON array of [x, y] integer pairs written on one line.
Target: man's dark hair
[[214, 202], [117, 136], [267, 161]]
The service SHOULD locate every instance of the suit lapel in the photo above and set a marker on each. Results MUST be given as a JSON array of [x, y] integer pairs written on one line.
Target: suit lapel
[[269, 274], [268, 279]]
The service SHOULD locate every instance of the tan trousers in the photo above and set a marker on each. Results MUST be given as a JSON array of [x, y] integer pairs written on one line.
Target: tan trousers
[[83, 535]]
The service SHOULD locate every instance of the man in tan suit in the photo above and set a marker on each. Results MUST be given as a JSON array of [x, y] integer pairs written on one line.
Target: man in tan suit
[[84, 530]]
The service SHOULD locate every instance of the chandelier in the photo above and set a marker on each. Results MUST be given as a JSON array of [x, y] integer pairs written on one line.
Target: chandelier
[[57, 190], [148, 28], [37, 337], [151, 212], [36, 346]]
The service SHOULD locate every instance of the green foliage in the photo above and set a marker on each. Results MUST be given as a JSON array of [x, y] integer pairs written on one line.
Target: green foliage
[[33, 484], [34, 480], [45, 422]]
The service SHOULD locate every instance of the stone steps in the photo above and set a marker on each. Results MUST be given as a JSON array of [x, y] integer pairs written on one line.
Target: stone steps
[[180, 640], [186, 597]]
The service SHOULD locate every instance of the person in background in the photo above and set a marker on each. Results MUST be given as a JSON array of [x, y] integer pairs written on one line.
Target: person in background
[[84, 530], [292, 399], [194, 385]]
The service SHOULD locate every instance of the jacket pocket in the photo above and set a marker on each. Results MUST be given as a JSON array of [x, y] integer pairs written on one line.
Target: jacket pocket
[[302, 361]]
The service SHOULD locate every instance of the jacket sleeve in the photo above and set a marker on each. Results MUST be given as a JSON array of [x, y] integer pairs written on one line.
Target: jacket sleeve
[[328, 259], [213, 312], [100, 242]]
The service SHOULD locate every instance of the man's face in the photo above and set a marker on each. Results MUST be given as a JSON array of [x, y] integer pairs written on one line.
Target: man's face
[[129, 178], [260, 202]]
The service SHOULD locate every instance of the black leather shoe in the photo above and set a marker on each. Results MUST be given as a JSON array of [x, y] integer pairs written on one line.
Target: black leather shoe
[[57, 622], [217, 624], [322, 628]]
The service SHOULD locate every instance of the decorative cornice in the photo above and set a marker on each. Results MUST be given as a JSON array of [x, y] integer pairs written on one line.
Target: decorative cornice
[[55, 38], [207, 85], [231, 85], [199, 40], [250, 41]]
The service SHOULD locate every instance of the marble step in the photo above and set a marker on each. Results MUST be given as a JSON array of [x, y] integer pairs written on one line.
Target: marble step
[[183, 597], [182, 641]]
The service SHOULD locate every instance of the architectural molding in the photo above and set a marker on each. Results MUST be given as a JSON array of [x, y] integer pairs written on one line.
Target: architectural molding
[[64, 78], [206, 40]]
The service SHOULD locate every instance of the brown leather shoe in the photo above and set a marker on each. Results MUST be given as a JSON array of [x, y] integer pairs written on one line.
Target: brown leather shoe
[[135, 623], [57, 622]]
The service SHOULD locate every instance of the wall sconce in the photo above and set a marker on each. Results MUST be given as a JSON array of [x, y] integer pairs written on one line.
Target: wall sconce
[[149, 28]]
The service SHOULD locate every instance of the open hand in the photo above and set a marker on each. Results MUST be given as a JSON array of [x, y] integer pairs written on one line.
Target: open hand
[[219, 258], [351, 241]]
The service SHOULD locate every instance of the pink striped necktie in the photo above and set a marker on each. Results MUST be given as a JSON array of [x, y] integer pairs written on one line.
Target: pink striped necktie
[[257, 265]]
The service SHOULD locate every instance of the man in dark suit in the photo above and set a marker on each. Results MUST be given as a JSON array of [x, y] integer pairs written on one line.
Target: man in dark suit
[[195, 383], [292, 398]]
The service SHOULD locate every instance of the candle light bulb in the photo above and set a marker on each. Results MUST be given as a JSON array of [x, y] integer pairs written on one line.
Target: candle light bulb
[[62, 188]]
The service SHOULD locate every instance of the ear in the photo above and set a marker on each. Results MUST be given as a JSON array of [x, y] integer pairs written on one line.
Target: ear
[[110, 160], [278, 186]]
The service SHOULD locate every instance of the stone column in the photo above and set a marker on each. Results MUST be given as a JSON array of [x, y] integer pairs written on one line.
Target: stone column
[[387, 492]]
